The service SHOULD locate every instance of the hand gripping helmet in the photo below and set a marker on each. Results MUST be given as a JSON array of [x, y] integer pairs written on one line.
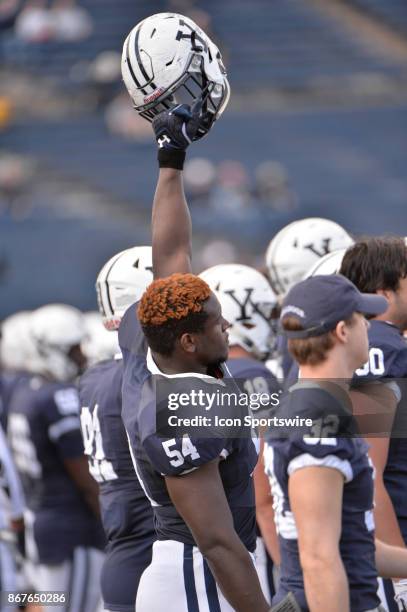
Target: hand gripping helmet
[[122, 281], [167, 59], [56, 329], [247, 302], [328, 264], [296, 247]]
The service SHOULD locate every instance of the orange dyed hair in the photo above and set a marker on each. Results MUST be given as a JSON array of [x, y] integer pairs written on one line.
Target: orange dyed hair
[[173, 297]]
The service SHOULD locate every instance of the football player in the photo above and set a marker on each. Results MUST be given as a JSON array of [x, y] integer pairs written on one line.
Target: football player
[[200, 488], [379, 265], [63, 536], [296, 247], [320, 473], [16, 357], [290, 255], [329, 264], [16, 352], [249, 304], [126, 512]]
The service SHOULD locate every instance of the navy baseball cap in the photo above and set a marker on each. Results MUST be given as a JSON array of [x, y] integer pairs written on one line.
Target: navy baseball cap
[[320, 302]]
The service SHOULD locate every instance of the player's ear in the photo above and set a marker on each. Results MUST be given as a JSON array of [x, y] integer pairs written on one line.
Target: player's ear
[[341, 331], [387, 293], [187, 342]]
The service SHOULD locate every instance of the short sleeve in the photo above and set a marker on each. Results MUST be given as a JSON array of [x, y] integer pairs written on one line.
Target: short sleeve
[[61, 413], [178, 456], [327, 437]]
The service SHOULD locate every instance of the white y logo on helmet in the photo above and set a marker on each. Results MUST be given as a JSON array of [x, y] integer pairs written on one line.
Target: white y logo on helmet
[[325, 247], [244, 316]]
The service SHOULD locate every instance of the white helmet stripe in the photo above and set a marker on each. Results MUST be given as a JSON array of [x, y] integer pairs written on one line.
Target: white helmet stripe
[[136, 67], [130, 67]]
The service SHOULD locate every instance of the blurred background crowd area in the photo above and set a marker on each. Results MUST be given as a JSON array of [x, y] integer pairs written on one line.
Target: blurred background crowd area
[[316, 126]]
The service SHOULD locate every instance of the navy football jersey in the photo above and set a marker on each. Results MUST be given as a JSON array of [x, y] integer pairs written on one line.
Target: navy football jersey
[[157, 456], [253, 378], [44, 430], [9, 381], [327, 442], [388, 360], [125, 510]]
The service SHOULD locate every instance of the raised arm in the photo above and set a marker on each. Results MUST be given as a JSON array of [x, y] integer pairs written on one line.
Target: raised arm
[[171, 222], [200, 499], [171, 225]]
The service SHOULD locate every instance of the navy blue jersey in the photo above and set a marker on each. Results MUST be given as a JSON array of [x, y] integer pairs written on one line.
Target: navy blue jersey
[[157, 456], [327, 442], [44, 430], [125, 509], [253, 378], [126, 512], [388, 360], [9, 381]]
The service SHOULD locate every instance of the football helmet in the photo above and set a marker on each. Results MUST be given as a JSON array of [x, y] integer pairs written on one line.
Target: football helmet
[[296, 247], [167, 60], [248, 303], [328, 264], [122, 281], [57, 330], [17, 350], [99, 344]]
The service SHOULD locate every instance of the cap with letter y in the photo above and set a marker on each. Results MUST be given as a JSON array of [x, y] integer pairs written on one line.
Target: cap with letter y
[[320, 302]]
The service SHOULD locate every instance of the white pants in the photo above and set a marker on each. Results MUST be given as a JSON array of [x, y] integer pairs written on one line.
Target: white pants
[[80, 578], [386, 598], [179, 580]]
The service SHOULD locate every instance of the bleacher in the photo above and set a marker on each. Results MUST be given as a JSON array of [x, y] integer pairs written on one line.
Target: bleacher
[[345, 163], [393, 13], [286, 44], [269, 44]]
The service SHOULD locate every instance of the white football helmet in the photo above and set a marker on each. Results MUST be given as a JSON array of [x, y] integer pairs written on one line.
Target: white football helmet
[[17, 350], [328, 264], [247, 302], [122, 281], [167, 59], [55, 329], [99, 343], [296, 247]]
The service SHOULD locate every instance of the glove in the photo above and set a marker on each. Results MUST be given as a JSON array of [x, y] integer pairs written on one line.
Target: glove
[[174, 130], [400, 590]]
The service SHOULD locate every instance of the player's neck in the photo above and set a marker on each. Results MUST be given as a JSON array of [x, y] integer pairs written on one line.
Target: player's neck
[[176, 365], [335, 368], [387, 317]]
